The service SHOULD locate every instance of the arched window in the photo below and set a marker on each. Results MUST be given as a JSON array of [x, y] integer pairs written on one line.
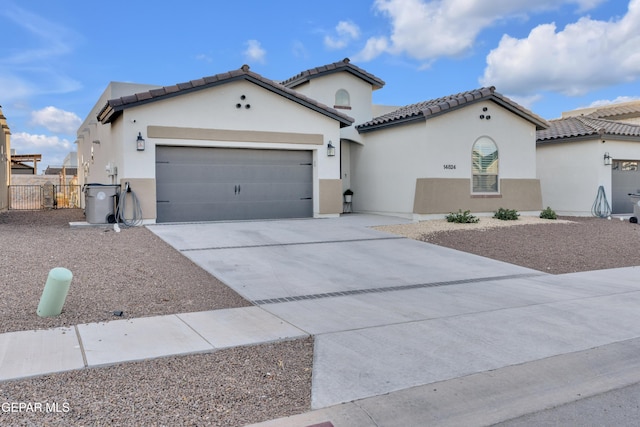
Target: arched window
[[342, 99], [484, 158]]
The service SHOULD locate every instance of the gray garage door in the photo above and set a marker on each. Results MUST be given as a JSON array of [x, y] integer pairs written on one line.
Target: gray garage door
[[214, 184], [625, 179]]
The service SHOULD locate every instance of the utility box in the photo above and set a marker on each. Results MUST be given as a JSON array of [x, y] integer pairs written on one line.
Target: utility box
[[100, 203]]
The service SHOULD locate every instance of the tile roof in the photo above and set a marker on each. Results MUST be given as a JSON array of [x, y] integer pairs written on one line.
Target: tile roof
[[427, 109], [616, 112], [583, 126], [344, 65], [114, 107]]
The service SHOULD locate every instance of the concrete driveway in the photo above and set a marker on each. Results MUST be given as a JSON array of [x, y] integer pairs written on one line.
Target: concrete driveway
[[390, 313]]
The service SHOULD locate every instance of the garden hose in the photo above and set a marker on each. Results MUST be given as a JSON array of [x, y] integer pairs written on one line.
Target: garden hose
[[601, 206]]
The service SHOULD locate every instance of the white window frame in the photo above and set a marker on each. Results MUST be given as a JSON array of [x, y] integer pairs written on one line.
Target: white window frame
[[490, 169], [342, 99]]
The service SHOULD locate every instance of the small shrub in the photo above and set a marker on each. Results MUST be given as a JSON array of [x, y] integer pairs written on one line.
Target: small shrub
[[506, 214], [548, 213], [462, 217]]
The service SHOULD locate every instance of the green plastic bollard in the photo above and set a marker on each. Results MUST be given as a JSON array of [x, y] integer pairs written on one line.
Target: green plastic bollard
[[55, 292]]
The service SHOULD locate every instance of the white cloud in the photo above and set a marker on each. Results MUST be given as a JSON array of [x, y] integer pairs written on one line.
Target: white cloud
[[26, 143], [14, 87], [299, 50], [585, 5], [346, 32], [204, 58], [54, 39], [525, 101], [255, 52], [372, 49], [56, 120], [583, 56], [426, 30], [618, 100], [35, 70]]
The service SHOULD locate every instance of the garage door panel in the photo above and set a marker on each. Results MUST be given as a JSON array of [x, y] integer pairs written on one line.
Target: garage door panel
[[184, 173], [189, 212], [282, 192], [195, 193], [211, 184]]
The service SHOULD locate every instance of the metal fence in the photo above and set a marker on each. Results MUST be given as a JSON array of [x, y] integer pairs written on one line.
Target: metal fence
[[36, 197]]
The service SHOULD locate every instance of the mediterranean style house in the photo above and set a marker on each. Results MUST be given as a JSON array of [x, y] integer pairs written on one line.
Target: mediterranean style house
[[237, 146]]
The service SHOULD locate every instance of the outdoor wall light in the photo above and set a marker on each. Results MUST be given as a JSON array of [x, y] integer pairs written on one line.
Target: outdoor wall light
[[331, 150], [607, 159], [140, 142]]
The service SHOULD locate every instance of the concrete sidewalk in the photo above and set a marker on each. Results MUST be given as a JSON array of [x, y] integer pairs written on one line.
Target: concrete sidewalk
[[31, 353]]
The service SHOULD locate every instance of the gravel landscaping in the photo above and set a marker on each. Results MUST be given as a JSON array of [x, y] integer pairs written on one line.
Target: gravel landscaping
[[137, 273], [565, 245], [132, 271]]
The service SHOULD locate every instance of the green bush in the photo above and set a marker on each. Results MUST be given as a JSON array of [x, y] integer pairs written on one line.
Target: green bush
[[506, 214], [462, 217], [548, 213]]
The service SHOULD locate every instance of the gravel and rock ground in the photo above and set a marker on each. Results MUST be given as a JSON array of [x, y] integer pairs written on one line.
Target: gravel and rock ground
[[565, 245], [136, 272]]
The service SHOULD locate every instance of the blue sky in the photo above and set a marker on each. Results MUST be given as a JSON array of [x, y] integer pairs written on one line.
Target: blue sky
[[550, 56]]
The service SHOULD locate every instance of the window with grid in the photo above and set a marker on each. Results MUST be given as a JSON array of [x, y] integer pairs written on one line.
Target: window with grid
[[343, 100], [485, 166]]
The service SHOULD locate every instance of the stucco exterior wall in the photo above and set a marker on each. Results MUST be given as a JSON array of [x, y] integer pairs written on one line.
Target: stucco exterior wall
[[95, 142], [209, 110], [385, 170], [570, 173], [324, 89], [438, 196]]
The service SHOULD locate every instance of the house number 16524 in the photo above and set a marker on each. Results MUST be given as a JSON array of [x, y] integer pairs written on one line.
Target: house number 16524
[[449, 166]]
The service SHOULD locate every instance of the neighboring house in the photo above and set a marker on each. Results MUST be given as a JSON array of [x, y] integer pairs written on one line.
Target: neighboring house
[[587, 149], [239, 146], [20, 164], [68, 172], [5, 162]]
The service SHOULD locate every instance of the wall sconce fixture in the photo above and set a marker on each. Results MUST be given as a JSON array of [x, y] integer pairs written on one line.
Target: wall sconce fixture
[[331, 150], [140, 142], [607, 159]]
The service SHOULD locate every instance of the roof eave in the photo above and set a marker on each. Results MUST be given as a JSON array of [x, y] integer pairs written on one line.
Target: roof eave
[[110, 111], [589, 137], [306, 77], [540, 124], [342, 118], [566, 139], [392, 123]]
